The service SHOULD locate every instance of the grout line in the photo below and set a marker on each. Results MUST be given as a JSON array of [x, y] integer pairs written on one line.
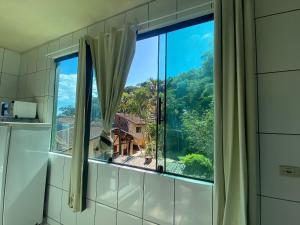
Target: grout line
[[100, 203], [118, 186], [174, 198], [2, 62], [38, 96], [96, 193], [258, 165], [52, 219], [10, 74], [275, 72], [143, 200], [281, 199], [118, 196], [61, 203], [271, 133], [274, 14], [212, 204], [1, 66]]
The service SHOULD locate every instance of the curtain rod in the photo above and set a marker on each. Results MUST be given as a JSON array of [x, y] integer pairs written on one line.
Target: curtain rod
[[210, 3]]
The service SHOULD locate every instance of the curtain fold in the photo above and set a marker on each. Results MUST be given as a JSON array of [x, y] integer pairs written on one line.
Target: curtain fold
[[235, 189], [79, 164], [112, 56]]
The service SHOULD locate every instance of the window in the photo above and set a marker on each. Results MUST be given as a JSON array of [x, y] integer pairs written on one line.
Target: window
[[165, 118], [64, 110]]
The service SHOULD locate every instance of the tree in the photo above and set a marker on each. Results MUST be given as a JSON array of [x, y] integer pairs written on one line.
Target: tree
[[197, 164]]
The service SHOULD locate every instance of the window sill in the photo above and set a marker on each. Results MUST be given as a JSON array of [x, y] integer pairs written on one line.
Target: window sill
[[143, 170]]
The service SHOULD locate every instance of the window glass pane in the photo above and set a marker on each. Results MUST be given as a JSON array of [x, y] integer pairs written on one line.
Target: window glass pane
[[189, 101], [64, 111], [161, 100], [134, 130], [95, 124]]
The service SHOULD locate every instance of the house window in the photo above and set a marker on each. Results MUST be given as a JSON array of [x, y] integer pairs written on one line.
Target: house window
[[165, 119], [64, 104]]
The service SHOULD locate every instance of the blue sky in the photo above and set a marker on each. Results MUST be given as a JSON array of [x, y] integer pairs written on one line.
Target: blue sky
[[185, 48]]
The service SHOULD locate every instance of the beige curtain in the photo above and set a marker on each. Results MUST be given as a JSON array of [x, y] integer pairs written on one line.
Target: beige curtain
[[235, 114], [112, 56], [78, 178]]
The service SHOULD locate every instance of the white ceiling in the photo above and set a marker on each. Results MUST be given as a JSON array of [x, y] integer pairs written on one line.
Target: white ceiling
[[27, 23]]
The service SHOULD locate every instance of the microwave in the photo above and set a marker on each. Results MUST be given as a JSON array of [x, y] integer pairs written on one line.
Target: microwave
[[19, 109]]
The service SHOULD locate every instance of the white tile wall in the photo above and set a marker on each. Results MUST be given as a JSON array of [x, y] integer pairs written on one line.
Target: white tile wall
[[68, 217], [54, 203], [107, 185], [278, 46], [53, 46], [193, 202], [8, 85], [148, 223], [67, 170], [130, 194], [1, 58], [11, 62], [278, 92], [279, 111], [264, 8], [126, 219], [66, 41], [94, 29], [115, 21], [78, 34], [139, 196], [158, 9], [42, 58], [92, 181], [55, 171], [105, 215], [9, 73], [87, 217], [183, 4], [158, 201], [138, 15], [31, 61], [279, 150], [278, 212]]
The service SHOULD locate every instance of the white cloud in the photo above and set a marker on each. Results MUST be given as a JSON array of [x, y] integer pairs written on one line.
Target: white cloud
[[207, 36], [66, 89]]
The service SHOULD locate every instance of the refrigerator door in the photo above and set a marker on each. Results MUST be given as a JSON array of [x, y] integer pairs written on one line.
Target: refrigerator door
[[26, 175], [4, 140]]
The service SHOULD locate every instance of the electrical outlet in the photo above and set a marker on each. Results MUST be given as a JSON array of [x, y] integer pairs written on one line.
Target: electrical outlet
[[289, 171]]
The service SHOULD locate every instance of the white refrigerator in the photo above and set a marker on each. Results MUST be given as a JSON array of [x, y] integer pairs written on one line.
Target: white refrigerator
[[24, 151]]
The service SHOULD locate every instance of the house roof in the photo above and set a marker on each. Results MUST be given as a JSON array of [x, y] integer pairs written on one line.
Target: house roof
[[132, 118]]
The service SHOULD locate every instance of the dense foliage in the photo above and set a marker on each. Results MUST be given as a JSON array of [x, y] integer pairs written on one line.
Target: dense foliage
[[190, 119], [197, 165], [189, 116]]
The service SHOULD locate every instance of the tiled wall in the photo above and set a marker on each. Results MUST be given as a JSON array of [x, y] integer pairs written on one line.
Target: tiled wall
[[278, 63], [116, 195], [9, 74], [122, 196]]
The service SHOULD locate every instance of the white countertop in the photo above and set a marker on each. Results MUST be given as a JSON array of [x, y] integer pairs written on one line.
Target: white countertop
[[25, 124]]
